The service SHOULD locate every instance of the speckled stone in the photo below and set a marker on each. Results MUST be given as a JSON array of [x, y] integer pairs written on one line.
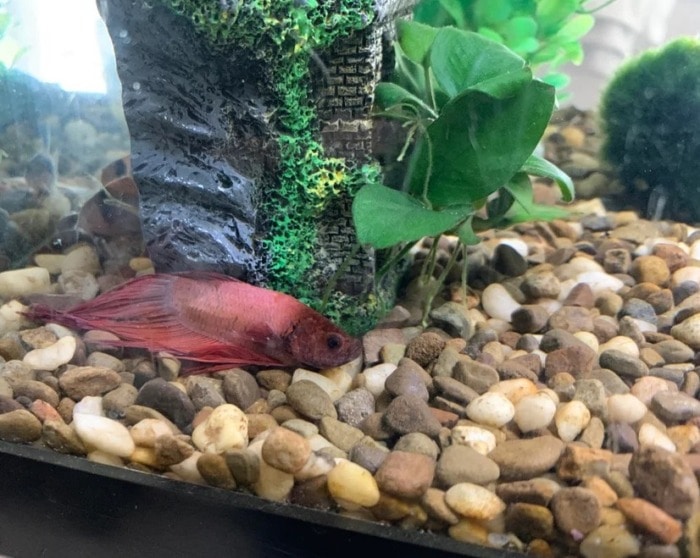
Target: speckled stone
[[460, 463], [405, 474], [575, 510], [167, 399], [408, 413], [83, 381], [310, 400], [529, 521], [673, 407], [355, 406]]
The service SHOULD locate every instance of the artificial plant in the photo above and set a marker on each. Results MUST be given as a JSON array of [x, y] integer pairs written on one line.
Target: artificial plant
[[474, 114], [650, 115], [546, 33]]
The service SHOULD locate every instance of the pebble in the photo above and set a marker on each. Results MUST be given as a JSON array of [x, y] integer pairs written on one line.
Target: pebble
[[651, 519], [167, 399], [352, 486], [62, 438], [529, 521], [369, 457], [474, 502], [475, 375], [688, 331], [491, 409], [479, 439], [527, 458], [425, 348], [650, 269], [355, 406], [339, 433], [570, 420], [52, 356], [460, 463], [170, 450], [672, 406], [34, 389], [405, 474], [103, 434], [433, 501], [498, 302], [665, 479], [83, 381], [19, 426], [610, 541], [215, 471], [205, 392], [240, 388], [453, 318], [271, 484], [623, 364], [674, 351], [650, 435], [454, 390], [406, 381], [575, 510], [408, 413], [146, 431], [311, 401], [625, 408], [416, 442], [285, 450], [187, 469], [529, 318], [23, 282], [534, 412], [224, 429], [374, 378]]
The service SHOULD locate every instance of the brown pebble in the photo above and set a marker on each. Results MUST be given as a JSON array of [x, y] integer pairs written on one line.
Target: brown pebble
[[651, 269], [286, 450], [425, 348], [405, 474], [576, 510], [170, 450], [61, 437], [433, 501], [83, 381], [529, 521], [19, 426], [652, 519], [214, 470], [578, 462]]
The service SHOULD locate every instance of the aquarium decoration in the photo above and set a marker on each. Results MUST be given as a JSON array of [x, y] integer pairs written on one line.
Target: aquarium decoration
[[650, 114], [250, 135]]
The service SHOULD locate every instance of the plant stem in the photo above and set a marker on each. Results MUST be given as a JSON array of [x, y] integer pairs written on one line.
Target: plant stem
[[428, 267], [392, 261], [596, 9], [433, 290]]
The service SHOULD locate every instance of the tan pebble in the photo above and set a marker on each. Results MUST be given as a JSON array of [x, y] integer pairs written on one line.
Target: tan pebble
[[62, 438], [285, 450], [97, 456], [535, 411], [652, 519], [50, 262], [491, 408], [612, 516], [684, 436], [140, 264], [23, 282], [625, 407], [44, 411], [474, 501], [171, 450], [145, 432], [620, 343], [602, 490], [103, 434], [515, 389], [688, 331], [226, 428], [479, 439], [570, 420], [577, 462], [260, 422], [469, 531], [352, 486], [144, 456], [610, 541], [82, 257], [647, 387], [650, 269], [433, 501]]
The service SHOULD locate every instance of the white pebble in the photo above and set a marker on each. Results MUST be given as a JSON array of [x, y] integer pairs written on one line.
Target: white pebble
[[474, 501], [625, 407], [688, 331], [373, 378], [479, 439], [600, 281], [491, 409], [224, 429], [649, 435], [51, 262], [103, 458], [588, 338], [82, 257], [12, 316], [533, 412], [520, 246], [187, 469], [570, 419], [272, 484], [145, 432], [694, 252], [22, 282], [498, 302], [103, 434], [316, 466], [53, 356], [334, 387], [622, 344], [90, 405], [690, 273]]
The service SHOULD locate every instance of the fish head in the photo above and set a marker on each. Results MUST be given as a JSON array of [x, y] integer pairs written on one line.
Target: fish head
[[317, 342]]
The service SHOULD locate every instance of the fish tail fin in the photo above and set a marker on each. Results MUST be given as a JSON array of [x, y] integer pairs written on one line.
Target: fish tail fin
[[44, 313]]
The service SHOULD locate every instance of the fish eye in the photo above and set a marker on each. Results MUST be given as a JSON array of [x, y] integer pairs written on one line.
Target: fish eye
[[333, 341]]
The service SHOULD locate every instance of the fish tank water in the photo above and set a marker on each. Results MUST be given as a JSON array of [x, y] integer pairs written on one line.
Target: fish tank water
[[414, 275]]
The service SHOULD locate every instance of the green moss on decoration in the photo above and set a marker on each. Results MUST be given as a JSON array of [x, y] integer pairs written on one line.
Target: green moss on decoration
[[283, 35]]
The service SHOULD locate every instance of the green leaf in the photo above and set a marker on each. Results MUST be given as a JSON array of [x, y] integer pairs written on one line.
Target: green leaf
[[490, 12], [541, 167], [520, 188], [505, 85], [415, 39], [557, 80], [431, 13], [461, 59], [491, 34], [519, 29], [576, 28], [526, 47], [479, 142], [465, 233], [384, 217], [551, 13], [456, 10], [388, 95]]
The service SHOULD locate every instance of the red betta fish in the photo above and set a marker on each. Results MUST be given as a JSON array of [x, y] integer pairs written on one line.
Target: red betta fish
[[212, 319]]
